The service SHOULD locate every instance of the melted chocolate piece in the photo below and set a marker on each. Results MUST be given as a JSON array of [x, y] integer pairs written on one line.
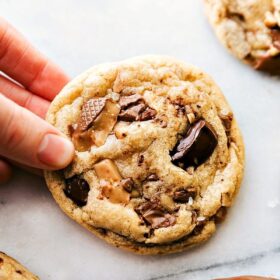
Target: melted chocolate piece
[[148, 114], [90, 111], [155, 215], [134, 108], [129, 100], [270, 64], [133, 113], [77, 189], [220, 215], [275, 35], [183, 195], [127, 184], [196, 147]]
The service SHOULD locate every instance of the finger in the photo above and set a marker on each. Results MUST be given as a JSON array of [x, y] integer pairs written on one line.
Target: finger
[[22, 62], [22, 97], [5, 172], [29, 140]]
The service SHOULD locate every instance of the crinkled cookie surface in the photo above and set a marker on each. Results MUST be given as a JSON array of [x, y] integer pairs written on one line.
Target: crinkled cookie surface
[[250, 29], [159, 157], [10, 269]]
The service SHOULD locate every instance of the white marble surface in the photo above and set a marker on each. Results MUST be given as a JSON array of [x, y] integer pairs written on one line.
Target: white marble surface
[[79, 34]]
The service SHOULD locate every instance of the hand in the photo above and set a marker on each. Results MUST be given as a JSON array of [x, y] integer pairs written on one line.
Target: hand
[[30, 82]]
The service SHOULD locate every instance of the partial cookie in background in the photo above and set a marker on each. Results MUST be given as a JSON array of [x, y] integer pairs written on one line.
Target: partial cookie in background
[[250, 29], [159, 156], [10, 269], [247, 277]]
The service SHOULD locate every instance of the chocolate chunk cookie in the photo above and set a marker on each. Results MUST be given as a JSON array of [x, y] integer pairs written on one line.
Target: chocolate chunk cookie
[[159, 157], [250, 29], [10, 269]]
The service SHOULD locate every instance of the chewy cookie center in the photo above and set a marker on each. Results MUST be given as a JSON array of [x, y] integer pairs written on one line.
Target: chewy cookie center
[[143, 187]]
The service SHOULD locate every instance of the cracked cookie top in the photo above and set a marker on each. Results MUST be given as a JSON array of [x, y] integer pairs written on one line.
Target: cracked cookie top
[[158, 152], [250, 29]]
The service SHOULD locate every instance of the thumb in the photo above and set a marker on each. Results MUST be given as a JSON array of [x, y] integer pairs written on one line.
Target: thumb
[[29, 140]]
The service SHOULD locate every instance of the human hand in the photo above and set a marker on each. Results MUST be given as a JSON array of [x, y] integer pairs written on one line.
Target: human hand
[[25, 138]]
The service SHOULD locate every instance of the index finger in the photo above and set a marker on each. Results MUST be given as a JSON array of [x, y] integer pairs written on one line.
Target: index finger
[[22, 62]]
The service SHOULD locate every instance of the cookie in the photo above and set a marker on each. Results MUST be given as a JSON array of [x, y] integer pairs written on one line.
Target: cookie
[[158, 154], [247, 277], [250, 29], [10, 269]]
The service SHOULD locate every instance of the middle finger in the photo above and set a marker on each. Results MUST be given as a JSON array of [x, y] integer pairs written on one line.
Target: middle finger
[[24, 98]]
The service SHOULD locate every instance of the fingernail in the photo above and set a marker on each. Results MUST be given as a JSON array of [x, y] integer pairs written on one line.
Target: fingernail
[[55, 151]]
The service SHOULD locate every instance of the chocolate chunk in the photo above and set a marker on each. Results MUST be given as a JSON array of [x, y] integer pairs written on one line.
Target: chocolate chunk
[[127, 101], [132, 114], [90, 111], [183, 195], [148, 114], [220, 215], [196, 147], [275, 35], [77, 189], [127, 184], [140, 160], [154, 215], [270, 64], [227, 120], [199, 226], [134, 108]]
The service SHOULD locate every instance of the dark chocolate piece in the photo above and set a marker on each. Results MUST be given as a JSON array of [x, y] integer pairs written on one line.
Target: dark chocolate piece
[[90, 111], [127, 184], [270, 64], [148, 114], [155, 215], [196, 147], [275, 35], [129, 100], [77, 189], [134, 108], [133, 113], [183, 195], [220, 215]]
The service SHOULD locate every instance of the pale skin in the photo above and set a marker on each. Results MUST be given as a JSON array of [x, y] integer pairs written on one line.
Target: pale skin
[[25, 138]]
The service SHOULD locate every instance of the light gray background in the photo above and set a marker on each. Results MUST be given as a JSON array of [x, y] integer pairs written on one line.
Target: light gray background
[[79, 34]]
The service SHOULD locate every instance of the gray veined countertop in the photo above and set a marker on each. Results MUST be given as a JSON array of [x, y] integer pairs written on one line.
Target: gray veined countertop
[[79, 34]]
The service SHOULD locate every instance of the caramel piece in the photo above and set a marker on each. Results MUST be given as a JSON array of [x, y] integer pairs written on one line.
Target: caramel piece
[[116, 194], [83, 140], [107, 170], [104, 124]]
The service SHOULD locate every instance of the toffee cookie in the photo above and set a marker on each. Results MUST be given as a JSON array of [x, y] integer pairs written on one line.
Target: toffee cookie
[[250, 29], [10, 269], [159, 157]]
